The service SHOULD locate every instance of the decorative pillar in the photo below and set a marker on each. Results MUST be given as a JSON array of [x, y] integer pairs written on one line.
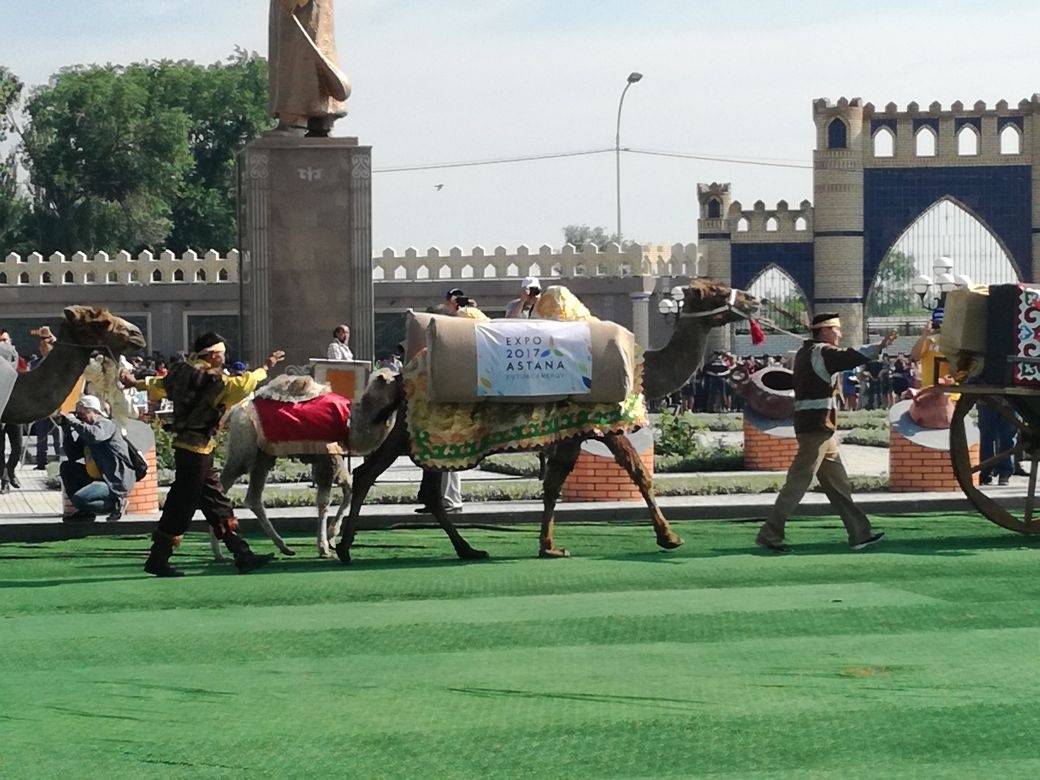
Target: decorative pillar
[[305, 222]]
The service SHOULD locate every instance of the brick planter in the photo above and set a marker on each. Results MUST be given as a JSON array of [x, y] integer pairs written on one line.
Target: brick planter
[[769, 445], [598, 477], [919, 458]]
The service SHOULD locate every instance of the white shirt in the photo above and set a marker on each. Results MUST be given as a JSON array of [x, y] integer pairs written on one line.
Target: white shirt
[[339, 351]]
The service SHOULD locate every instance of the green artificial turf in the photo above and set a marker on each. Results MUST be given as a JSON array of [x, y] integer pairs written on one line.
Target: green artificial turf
[[916, 658]]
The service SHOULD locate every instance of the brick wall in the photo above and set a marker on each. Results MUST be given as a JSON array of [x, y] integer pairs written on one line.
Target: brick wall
[[913, 468], [600, 478], [763, 452], [143, 499]]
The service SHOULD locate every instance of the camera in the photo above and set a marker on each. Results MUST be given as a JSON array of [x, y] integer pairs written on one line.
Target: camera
[[463, 301]]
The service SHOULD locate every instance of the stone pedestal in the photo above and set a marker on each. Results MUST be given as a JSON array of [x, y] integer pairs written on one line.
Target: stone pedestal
[[597, 476], [769, 445], [919, 458], [305, 223]]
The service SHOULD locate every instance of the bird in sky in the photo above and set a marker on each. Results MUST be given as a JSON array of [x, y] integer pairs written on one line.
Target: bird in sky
[[438, 187]]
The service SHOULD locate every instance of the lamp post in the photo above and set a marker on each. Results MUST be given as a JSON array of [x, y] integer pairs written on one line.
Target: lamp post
[[633, 77], [670, 306], [931, 291]]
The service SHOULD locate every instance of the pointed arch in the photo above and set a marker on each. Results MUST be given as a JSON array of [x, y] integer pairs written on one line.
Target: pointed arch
[[772, 225], [968, 141], [946, 227], [1011, 139], [68, 278], [787, 304], [837, 134], [743, 225], [223, 276], [714, 208], [884, 142], [378, 273], [925, 141]]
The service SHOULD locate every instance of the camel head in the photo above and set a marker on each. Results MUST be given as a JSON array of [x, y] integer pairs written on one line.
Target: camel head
[[88, 326], [706, 295], [374, 416]]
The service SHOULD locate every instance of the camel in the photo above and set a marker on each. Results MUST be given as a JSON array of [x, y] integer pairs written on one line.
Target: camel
[[707, 304], [86, 329], [370, 422]]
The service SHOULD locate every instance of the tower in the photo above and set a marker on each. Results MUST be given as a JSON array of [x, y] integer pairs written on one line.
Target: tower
[[838, 212], [714, 247]]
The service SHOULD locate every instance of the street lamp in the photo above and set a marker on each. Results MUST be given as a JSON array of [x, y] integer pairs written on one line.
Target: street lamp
[[931, 291], [669, 307], [633, 77]]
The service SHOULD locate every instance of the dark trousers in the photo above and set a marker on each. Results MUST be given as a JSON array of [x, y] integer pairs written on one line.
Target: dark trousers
[[996, 435], [196, 485], [13, 433], [42, 430]]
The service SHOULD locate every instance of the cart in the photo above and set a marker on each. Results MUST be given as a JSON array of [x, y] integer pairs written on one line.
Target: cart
[[1020, 406]]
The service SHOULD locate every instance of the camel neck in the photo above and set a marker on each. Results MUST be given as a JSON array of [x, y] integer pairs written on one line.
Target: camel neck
[[47, 386], [667, 369]]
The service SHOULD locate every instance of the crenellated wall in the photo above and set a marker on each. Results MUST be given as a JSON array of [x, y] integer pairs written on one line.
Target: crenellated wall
[[121, 268], [567, 262]]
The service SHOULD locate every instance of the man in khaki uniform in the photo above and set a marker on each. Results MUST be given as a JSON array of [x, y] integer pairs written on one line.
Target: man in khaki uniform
[[817, 368]]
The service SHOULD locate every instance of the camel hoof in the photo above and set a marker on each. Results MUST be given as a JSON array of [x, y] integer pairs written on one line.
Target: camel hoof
[[289, 552], [472, 554], [553, 552], [324, 552], [669, 542], [343, 553]]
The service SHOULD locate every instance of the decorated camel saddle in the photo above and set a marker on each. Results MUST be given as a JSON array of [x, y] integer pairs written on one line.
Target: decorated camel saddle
[[475, 388], [296, 416]]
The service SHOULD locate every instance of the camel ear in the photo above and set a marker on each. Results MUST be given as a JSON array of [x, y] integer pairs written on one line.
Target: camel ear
[[73, 313]]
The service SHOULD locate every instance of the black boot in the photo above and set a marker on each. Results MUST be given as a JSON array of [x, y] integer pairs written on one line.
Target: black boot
[[245, 559], [158, 563]]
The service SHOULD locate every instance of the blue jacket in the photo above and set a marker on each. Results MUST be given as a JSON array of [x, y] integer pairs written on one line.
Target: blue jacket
[[107, 449]]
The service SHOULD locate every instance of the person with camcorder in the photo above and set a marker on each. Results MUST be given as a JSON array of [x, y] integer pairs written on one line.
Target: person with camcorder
[[522, 307]]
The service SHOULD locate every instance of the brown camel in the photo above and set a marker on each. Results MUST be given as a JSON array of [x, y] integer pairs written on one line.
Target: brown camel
[[40, 392], [706, 305]]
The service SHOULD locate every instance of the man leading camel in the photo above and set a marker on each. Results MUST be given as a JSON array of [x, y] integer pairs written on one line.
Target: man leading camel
[[816, 366], [201, 392]]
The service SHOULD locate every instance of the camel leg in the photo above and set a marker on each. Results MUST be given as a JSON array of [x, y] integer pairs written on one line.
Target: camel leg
[[238, 460], [626, 456], [365, 476], [462, 548], [255, 499], [343, 480], [559, 461], [322, 472]]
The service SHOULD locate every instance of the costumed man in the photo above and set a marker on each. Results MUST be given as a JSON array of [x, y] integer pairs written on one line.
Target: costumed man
[[201, 392], [817, 367]]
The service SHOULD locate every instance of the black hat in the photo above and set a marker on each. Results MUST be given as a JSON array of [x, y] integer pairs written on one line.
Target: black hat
[[208, 340], [454, 291], [826, 320]]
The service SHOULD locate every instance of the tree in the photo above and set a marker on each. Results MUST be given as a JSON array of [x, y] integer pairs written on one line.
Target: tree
[[141, 156], [105, 160], [13, 205], [892, 293], [580, 235]]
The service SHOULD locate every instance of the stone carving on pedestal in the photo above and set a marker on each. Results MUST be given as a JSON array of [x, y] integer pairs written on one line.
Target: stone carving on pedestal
[[307, 89]]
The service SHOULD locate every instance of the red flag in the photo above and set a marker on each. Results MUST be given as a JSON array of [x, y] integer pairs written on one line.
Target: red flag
[[757, 334]]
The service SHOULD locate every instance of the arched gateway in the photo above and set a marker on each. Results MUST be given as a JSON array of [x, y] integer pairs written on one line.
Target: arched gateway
[[875, 173]]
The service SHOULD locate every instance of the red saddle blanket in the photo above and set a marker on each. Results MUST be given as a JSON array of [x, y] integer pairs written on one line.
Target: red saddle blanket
[[325, 418]]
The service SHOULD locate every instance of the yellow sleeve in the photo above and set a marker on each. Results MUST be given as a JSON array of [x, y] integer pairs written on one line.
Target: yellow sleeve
[[154, 385], [238, 388]]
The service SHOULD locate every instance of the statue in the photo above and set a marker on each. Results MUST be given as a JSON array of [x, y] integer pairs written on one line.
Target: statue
[[307, 89]]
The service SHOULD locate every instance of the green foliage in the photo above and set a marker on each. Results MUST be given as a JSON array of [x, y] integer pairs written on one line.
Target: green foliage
[[163, 447], [580, 235], [891, 294], [14, 207], [722, 421], [863, 418], [140, 156], [868, 437], [678, 434]]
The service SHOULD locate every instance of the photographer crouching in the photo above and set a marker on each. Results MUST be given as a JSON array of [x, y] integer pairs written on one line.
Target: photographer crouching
[[101, 483]]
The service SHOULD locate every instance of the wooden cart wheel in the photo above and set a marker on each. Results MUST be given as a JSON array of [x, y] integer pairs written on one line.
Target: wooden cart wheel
[[989, 506]]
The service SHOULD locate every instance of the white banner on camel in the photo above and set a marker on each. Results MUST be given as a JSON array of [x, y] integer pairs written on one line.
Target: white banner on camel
[[533, 357]]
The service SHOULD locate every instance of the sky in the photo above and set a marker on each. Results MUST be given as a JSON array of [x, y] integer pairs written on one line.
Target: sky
[[449, 80]]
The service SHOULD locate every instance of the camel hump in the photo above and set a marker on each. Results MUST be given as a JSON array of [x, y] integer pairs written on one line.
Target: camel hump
[[293, 389]]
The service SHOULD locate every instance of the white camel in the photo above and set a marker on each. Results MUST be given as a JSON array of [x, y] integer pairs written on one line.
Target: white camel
[[371, 420]]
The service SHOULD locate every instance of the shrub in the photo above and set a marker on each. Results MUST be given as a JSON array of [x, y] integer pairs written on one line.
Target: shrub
[[869, 437], [678, 434]]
